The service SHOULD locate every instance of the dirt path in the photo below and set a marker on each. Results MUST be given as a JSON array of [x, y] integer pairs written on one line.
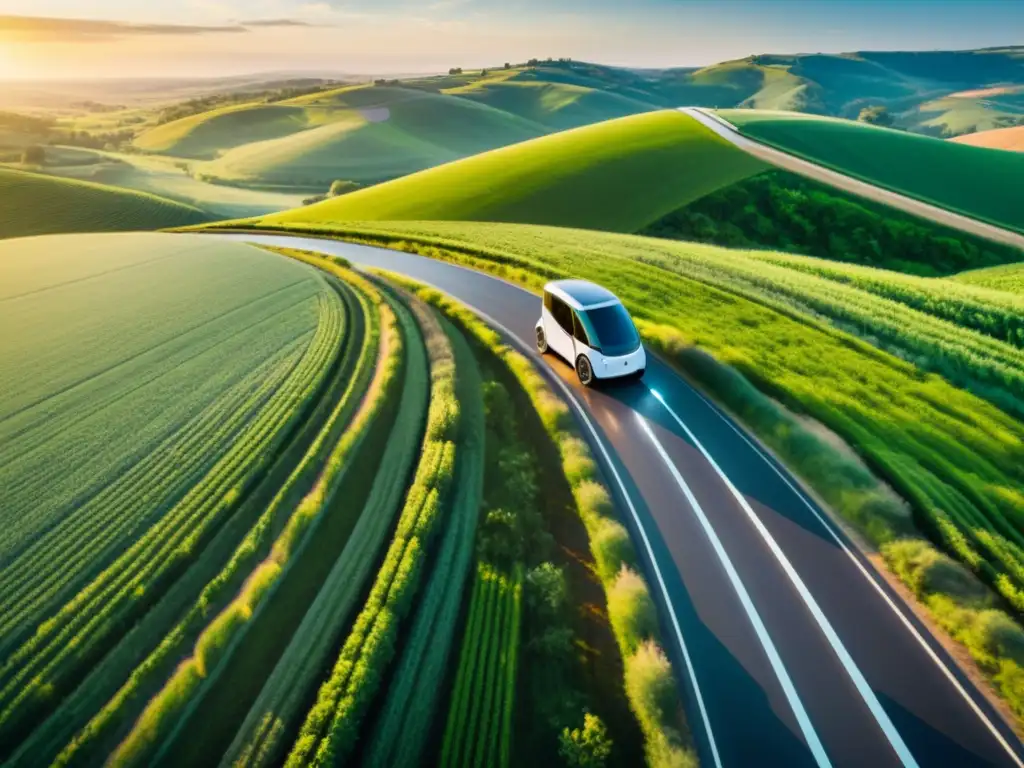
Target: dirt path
[[816, 172]]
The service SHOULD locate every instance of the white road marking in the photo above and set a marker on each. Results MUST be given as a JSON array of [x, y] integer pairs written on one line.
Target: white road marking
[[810, 735], [856, 676], [827, 524]]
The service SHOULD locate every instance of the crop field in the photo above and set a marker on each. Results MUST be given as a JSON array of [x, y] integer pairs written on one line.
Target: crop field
[[956, 457], [35, 204], [479, 725], [1008, 278], [1010, 139], [982, 183], [575, 178]]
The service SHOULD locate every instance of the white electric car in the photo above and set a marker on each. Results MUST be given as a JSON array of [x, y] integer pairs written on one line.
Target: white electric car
[[587, 326]]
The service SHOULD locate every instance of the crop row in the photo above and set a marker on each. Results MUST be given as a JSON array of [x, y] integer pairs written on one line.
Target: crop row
[[412, 701], [278, 709], [995, 313], [331, 727], [478, 730], [84, 544], [67, 643], [269, 549]]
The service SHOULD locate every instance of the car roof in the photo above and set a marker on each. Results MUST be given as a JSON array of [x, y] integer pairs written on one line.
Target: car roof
[[581, 294]]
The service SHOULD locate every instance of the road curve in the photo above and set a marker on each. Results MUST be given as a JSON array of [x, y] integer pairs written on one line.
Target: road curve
[[792, 651], [811, 170]]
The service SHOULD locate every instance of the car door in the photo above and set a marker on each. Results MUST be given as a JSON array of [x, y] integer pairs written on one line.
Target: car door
[[560, 332]]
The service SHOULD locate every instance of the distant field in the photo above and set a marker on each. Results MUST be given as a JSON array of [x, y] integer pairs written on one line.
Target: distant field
[[35, 204], [619, 175], [1008, 278], [981, 183], [1001, 138], [166, 177]]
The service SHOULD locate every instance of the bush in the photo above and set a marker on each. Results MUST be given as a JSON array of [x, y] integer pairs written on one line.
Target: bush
[[655, 700], [612, 548], [632, 611], [586, 747]]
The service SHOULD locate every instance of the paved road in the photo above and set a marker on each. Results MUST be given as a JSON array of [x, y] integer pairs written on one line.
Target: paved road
[[792, 652], [811, 170]]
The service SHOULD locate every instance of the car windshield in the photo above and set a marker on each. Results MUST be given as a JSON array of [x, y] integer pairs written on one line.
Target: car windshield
[[611, 329]]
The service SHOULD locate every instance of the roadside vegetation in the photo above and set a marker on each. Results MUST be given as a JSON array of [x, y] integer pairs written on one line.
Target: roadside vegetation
[[977, 182], [35, 204], [953, 459], [511, 536]]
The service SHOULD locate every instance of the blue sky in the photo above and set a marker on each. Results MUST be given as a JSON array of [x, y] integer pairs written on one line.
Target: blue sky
[[401, 36]]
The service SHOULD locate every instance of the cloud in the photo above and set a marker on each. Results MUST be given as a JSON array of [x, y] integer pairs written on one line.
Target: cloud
[[44, 29], [277, 23]]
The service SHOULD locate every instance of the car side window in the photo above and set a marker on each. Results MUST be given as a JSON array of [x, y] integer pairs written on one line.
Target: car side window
[[578, 330], [562, 314]]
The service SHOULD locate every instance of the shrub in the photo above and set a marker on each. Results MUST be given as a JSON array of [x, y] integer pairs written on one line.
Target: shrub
[[34, 155], [586, 747], [632, 611], [612, 548]]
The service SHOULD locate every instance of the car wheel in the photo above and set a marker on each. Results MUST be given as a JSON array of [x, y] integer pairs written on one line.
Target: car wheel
[[542, 341], [639, 374], [584, 371]]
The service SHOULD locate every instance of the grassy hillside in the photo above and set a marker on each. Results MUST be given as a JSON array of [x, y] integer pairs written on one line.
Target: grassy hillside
[[209, 133], [1011, 139], [35, 204], [981, 183], [619, 175], [371, 134]]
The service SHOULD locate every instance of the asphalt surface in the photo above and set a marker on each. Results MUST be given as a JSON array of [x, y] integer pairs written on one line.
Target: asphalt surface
[[791, 649], [789, 162]]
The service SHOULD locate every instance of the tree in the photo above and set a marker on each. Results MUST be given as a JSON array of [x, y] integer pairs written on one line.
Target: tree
[[588, 747], [342, 187], [877, 115], [508, 65], [455, 71], [34, 155]]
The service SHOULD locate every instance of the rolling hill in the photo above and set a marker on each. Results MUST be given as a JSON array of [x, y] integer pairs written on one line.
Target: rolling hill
[[618, 176], [35, 204], [370, 134], [1011, 139], [982, 183]]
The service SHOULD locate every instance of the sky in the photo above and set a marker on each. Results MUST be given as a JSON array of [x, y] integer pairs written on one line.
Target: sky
[[129, 38]]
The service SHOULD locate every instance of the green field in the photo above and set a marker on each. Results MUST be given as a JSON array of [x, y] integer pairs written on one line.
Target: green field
[[240, 487], [37, 205], [157, 386], [619, 175], [1008, 278], [982, 183], [166, 177]]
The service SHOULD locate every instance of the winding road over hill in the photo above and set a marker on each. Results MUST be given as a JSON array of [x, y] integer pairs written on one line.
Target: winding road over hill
[[792, 650], [850, 184]]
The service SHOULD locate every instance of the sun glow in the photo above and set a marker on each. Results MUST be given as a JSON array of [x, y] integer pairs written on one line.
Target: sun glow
[[9, 65]]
